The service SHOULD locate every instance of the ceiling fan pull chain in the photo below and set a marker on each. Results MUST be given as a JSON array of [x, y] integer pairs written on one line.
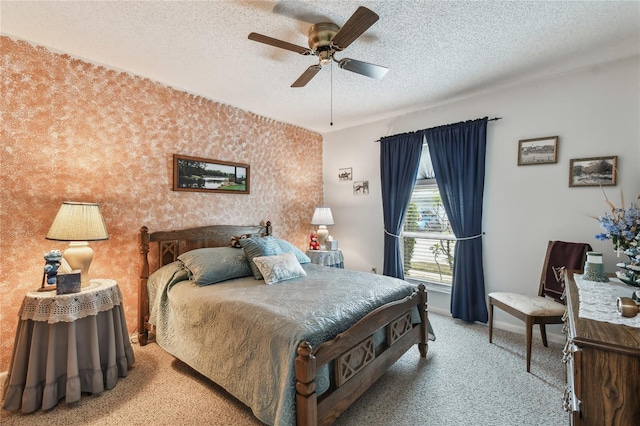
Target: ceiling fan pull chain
[[331, 122]]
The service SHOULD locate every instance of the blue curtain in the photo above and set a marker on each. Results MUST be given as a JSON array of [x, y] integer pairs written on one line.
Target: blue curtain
[[399, 162], [458, 158]]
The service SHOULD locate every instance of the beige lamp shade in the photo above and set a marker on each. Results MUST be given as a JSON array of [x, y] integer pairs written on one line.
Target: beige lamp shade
[[78, 223], [321, 218]]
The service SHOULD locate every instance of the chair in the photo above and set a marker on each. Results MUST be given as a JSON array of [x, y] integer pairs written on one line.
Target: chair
[[548, 306]]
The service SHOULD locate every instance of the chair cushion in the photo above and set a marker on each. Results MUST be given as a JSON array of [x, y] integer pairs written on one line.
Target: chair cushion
[[531, 305]]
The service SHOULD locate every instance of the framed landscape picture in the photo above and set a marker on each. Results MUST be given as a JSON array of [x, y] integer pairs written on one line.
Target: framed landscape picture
[[204, 175], [596, 171], [538, 151]]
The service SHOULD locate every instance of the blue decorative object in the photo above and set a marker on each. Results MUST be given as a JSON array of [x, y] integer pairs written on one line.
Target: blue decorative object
[[53, 261]]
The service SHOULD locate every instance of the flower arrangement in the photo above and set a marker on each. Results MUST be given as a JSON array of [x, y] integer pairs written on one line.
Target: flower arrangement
[[622, 226]]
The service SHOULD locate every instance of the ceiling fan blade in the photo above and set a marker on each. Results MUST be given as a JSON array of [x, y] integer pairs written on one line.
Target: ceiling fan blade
[[279, 43], [306, 76], [364, 68], [357, 24]]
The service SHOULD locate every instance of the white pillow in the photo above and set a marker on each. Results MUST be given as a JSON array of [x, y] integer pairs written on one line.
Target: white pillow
[[279, 267]]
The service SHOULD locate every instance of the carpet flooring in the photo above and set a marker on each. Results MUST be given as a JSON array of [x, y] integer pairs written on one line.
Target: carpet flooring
[[464, 380]]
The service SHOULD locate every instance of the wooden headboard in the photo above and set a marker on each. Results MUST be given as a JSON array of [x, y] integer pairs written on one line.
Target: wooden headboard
[[170, 245]]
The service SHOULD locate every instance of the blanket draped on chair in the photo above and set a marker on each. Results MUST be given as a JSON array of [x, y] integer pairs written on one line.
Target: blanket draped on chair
[[562, 256]]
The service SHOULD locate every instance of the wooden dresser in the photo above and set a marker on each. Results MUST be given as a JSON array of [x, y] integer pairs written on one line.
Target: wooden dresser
[[603, 368]]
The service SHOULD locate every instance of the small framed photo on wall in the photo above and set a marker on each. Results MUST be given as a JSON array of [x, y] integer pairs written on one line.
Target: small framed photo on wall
[[361, 187], [345, 174], [595, 171], [538, 151]]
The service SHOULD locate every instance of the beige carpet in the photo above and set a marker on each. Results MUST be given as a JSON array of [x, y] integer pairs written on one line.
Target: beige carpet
[[464, 381]]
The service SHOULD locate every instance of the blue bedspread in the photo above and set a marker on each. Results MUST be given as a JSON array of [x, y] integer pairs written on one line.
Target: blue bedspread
[[243, 334]]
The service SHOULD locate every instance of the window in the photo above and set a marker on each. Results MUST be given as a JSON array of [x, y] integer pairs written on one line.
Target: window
[[428, 242]]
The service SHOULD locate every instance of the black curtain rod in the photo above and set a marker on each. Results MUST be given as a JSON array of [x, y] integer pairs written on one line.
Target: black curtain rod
[[490, 119]]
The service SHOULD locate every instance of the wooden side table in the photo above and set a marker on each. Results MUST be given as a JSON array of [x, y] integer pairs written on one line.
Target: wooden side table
[[332, 258], [67, 344]]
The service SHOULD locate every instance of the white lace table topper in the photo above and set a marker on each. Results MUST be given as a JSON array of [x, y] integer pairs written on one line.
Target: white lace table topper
[[326, 257], [99, 296], [598, 301]]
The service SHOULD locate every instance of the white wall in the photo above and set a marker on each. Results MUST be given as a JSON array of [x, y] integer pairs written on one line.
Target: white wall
[[595, 112]]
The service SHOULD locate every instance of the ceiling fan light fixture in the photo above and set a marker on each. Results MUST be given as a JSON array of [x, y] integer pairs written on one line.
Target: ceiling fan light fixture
[[325, 57]]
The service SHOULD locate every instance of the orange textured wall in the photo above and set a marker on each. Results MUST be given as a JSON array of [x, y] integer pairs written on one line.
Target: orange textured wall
[[75, 131]]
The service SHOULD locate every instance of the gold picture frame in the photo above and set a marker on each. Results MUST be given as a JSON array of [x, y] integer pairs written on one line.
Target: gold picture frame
[[197, 174], [538, 151], [594, 171]]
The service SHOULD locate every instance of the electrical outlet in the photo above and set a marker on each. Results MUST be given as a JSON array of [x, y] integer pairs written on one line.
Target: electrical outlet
[[374, 270]]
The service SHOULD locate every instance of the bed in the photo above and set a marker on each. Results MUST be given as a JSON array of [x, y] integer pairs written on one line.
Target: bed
[[297, 351]]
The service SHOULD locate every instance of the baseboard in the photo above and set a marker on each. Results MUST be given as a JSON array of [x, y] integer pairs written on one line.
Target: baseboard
[[514, 328], [439, 311], [3, 378], [507, 326]]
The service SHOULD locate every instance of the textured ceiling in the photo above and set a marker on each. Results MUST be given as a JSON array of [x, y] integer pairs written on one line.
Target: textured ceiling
[[436, 51]]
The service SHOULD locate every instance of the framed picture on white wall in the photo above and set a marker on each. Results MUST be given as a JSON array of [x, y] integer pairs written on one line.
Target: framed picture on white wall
[[595, 171], [361, 187], [538, 151], [345, 174]]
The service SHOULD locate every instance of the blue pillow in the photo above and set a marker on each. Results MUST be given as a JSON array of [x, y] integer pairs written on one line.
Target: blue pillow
[[213, 265], [258, 247], [286, 246], [268, 246]]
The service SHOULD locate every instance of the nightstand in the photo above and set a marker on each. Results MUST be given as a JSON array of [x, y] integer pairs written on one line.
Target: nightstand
[[332, 258], [67, 344]]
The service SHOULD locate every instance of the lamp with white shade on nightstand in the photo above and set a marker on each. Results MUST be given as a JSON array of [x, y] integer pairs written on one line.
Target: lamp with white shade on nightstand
[[322, 218], [78, 223]]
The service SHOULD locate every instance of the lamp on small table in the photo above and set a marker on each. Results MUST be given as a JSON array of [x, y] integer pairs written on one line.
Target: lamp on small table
[[322, 218], [78, 223]]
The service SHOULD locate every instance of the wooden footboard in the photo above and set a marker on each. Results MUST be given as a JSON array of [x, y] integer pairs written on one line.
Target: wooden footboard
[[357, 362]]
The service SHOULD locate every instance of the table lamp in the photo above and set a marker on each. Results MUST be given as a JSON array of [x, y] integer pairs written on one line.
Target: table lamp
[[321, 218], [78, 223]]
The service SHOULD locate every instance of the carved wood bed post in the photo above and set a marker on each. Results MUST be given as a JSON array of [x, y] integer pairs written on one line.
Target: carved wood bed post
[[424, 324], [143, 299], [306, 398]]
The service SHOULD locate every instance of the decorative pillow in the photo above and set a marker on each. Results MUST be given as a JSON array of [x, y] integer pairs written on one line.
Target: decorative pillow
[[286, 246], [213, 265], [280, 267], [235, 240], [259, 246]]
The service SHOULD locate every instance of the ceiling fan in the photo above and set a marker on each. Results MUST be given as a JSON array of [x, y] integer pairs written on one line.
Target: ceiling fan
[[325, 39]]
